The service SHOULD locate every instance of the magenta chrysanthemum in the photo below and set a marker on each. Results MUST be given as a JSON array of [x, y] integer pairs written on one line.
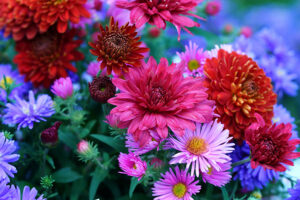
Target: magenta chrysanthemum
[[193, 59], [175, 186], [135, 147], [218, 178], [62, 88], [203, 148], [132, 165], [157, 97]]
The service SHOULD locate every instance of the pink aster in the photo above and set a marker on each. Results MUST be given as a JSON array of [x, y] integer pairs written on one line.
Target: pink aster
[[93, 68], [157, 12], [114, 122], [203, 148], [175, 186], [135, 147], [63, 88], [218, 178], [157, 97], [193, 59], [132, 165]]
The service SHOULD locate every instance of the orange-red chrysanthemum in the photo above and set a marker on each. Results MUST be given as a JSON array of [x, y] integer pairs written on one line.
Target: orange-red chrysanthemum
[[240, 89], [118, 48], [49, 12], [16, 19], [47, 57]]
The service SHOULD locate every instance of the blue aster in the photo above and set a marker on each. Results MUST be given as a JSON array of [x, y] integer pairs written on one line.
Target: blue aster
[[250, 178], [282, 115], [12, 77], [25, 113], [295, 192], [7, 156]]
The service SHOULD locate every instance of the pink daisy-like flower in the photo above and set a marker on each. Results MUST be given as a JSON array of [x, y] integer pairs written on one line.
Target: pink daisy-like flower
[[93, 68], [203, 148], [175, 186], [193, 59], [132, 165], [135, 147], [159, 12], [218, 178], [63, 88], [157, 96]]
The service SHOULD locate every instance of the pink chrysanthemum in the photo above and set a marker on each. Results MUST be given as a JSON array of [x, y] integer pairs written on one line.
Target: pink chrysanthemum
[[159, 12], [63, 88], [155, 97], [203, 148], [175, 186], [132, 165], [218, 178], [193, 59], [135, 147]]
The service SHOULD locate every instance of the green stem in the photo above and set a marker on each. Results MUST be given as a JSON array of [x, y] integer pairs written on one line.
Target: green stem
[[240, 162]]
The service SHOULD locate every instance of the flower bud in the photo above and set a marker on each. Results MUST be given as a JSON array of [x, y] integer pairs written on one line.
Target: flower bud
[[87, 151], [246, 31], [213, 8], [49, 136], [102, 89], [154, 32], [63, 88]]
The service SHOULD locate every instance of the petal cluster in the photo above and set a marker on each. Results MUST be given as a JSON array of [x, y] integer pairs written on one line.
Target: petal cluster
[[240, 89], [157, 97], [132, 165]]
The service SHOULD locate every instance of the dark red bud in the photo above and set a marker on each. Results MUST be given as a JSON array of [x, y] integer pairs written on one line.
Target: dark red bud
[[49, 136]]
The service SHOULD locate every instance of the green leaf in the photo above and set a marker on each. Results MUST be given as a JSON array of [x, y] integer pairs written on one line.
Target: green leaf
[[87, 129], [50, 161], [134, 182], [66, 175], [115, 143], [98, 176], [78, 188], [67, 137], [225, 193]]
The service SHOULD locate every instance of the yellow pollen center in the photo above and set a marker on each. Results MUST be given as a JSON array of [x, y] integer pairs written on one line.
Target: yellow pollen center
[[209, 171], [196, 146], [193, 64], [179, 190], [56, 2], [8, 81], [134, 166]]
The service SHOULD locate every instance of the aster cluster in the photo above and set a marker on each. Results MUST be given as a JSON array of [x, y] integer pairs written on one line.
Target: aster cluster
[[107, 96]]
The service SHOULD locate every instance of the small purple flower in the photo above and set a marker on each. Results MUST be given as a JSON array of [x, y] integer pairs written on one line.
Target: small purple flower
[[6, 192], [7, 156], [218, 178], [295, 192], [25, 113], [175, 186], [11, 77], [132, 165], [27, 194]]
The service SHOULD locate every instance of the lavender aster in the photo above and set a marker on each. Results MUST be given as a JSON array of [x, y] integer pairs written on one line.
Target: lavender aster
[[250, 178], [27, 194], [7, 156], [25, 113], [295, 192], [6, 192]]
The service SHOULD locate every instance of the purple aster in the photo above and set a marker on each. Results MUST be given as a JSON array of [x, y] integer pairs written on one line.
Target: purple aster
[[295, 192], [6, 192], [282, 115], [250, 178], [27, 194], [7, 156], [25, 113], [12, 77], [175, 186]]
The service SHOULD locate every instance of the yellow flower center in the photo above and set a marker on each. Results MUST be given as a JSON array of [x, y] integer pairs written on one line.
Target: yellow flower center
[[257, 195], [179, 190], [193, 64], [134, 166], [8, 81], [209, 171], [57, 2], [196, 146], [276, 119]]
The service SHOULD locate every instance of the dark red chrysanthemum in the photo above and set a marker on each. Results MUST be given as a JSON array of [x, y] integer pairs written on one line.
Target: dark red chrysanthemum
[[240, 89], [47, 57], [102, 89], [118, 48], [49, 12], [17, 19], [270, 145]]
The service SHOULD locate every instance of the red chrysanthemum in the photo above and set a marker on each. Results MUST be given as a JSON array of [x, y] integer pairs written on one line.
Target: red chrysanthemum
[[240, 89], [157, 12], [17, 19], [270, 145], [47, 57], [157, 97], [49, 12], [118, 48]]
